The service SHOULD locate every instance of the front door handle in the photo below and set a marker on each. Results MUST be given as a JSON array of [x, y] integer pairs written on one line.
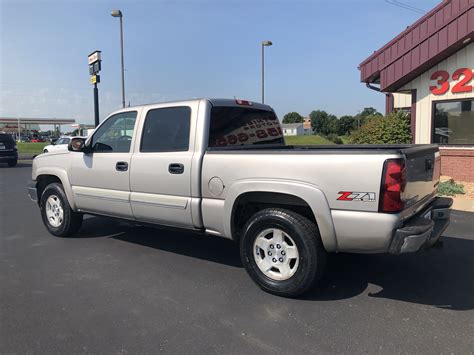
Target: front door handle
[[121, 166], [176, 168]]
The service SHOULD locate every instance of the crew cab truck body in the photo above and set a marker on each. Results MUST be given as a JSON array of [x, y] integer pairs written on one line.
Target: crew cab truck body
[[221, 167]]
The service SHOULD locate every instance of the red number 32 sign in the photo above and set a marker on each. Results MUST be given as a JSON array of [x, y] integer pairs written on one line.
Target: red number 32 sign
[[462, 75]]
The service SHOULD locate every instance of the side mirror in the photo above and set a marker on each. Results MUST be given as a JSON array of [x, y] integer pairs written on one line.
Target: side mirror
[[77, 145]]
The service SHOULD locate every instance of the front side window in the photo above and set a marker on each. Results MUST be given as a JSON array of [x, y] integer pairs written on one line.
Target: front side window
[[166, 130], [453, 122], [239, 126], [115, 135]]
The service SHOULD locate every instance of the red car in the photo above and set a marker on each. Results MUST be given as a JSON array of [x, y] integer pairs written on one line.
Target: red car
[[37, 140]]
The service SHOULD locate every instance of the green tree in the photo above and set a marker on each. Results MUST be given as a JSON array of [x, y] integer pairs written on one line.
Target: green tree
[[393, 129], [331, 126], [369, 111], [292, 117], [319, 120], [362, 116], [345, 125]]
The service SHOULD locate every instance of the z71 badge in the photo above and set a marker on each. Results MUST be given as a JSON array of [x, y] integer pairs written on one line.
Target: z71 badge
[[356, 196]]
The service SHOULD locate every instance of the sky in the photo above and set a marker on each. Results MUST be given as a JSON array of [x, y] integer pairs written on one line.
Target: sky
[[188, 49]]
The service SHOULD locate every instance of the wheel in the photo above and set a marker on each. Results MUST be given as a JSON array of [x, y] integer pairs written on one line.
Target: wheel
[[282, 251], [45, 151], [58, 217], [12, 163]]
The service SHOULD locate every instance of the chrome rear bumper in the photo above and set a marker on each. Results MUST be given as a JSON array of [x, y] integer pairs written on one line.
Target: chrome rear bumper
[[424, 229]]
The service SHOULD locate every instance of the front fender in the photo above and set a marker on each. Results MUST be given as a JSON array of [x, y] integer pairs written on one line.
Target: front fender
[[62, 175], [309, 193]]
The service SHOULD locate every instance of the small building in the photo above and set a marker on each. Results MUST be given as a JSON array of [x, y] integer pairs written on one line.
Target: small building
[[308, 130], [427, 70], [292, 129]]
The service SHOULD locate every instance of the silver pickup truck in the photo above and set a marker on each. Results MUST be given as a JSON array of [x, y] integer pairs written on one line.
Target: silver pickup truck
[[222, 167]]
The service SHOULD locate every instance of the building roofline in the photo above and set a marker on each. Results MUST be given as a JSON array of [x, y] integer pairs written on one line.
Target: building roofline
[[431, 39], [407, 30]]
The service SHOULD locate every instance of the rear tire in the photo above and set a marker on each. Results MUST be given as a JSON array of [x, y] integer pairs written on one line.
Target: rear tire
[[282, 252], [58, 217], [12, 163]]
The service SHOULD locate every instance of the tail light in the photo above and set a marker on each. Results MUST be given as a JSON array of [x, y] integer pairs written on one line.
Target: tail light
[[393, 184]]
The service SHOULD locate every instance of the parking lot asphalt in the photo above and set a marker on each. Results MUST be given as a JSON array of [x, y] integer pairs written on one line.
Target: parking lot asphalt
[[117, 288]]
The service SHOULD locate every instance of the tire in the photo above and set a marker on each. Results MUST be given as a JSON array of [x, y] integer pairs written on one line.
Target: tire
[[12, 163], [292, 273], [45, 151], [57, 215]]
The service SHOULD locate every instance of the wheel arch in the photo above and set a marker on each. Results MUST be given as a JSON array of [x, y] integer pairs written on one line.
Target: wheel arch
[[300, 197], [44, 177]]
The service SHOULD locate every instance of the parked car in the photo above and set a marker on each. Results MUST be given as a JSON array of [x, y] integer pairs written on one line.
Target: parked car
[[221, 167], [24, 139], [8, 150], [60, 144], [37, 140]]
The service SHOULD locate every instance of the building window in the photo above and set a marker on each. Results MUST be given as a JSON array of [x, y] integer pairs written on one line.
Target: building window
[[453, 122]]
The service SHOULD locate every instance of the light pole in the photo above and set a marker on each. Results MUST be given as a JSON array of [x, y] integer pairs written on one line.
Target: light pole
[[118, 13], [264, 44]]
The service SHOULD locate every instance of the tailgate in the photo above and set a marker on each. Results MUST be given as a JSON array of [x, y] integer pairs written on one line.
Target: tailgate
[[423, 164]]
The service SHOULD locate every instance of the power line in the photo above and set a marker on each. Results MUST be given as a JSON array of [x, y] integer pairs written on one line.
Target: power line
[[405, 6]]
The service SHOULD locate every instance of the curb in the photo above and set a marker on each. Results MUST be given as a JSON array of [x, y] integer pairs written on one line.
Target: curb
[[26, 156]]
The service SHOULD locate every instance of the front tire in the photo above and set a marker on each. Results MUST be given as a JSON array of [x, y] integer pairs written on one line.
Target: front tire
[[57, 215], [12, 163], [282, 252]]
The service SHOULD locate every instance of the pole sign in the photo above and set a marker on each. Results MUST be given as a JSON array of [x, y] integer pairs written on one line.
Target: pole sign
[[95, 66], [94, 57], [95, 79]]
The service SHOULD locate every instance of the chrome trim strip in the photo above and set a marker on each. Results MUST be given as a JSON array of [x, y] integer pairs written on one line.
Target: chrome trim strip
[[155, 204], [103, 198]]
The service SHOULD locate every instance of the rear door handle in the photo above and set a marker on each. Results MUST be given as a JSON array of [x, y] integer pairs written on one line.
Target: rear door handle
[[121, 166], [176, 168]]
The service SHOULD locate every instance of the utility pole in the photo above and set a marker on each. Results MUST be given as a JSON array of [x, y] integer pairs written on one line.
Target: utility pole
[[119, 14], [264, 44]]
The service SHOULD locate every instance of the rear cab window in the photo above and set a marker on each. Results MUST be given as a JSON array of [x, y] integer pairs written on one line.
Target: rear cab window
[[232, 126]]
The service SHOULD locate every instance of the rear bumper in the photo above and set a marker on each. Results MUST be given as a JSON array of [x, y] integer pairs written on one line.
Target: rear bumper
[[424, 229], [8, 156]]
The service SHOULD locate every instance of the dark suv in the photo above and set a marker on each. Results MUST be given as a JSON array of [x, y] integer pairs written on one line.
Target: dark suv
[[8, 151]]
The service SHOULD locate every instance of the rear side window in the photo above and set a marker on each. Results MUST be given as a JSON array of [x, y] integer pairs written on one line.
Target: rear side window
[[166, 130], [239, 126]]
